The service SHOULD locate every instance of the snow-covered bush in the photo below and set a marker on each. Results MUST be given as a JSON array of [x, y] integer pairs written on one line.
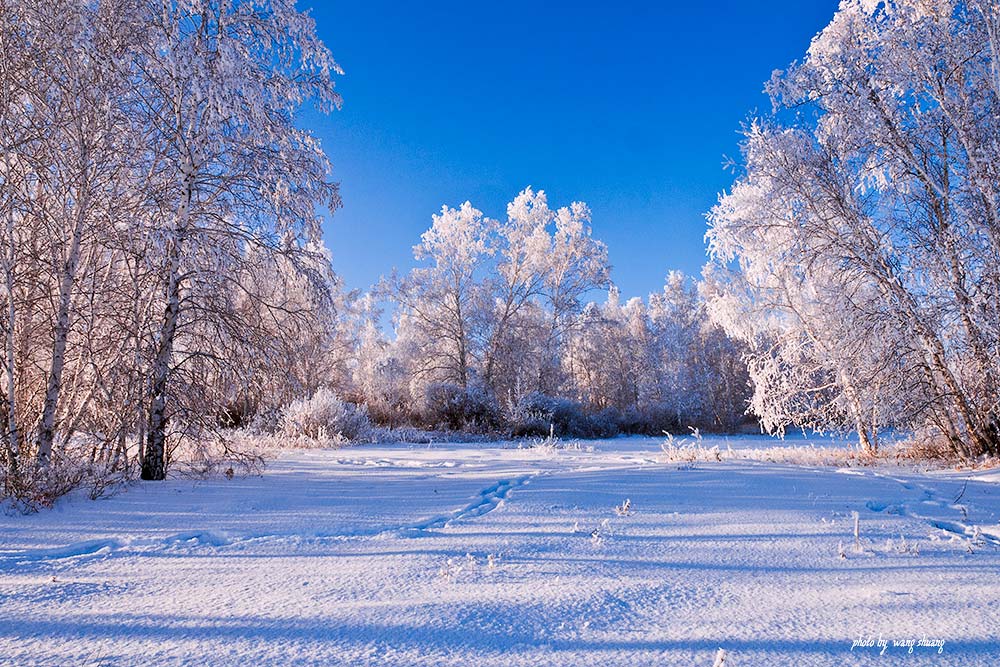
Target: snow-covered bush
[[603, 424], [267, 421], [537, 414], [458, 408], [324, 417], [652, 419], [33, 488], [693, 449], [530, 426], [37, 488]]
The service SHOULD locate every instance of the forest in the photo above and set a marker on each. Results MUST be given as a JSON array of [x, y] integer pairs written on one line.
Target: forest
[[167, 294]]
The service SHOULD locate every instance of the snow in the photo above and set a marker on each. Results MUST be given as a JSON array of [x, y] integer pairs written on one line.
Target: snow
[[490, 554]]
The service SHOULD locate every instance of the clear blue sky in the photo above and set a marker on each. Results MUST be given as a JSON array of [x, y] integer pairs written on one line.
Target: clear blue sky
[[630, 107]]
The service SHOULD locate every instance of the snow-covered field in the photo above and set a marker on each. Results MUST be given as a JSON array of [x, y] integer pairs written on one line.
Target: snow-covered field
[[465, 555]]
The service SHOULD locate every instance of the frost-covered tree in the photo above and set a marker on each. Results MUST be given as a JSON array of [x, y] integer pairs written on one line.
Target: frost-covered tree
[[519, 281], [496, 322], [607, 357], [68, 146], [279, 337], [19, 140], [547, 261], [81, 172], [442, 304], [378, 373], [858, 254], [221, 84], [677, 318]]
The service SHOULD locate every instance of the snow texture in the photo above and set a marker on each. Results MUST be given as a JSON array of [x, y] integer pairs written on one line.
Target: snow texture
[[457, 554]]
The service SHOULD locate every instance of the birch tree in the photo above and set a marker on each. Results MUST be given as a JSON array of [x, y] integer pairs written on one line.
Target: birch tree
[[865, 228], [548, 257], [81, 169], [17, 137], [222, 83], [494, 306], [442, 304], [159, 227]]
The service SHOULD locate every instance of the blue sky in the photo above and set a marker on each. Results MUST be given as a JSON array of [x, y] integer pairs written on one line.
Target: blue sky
[[630, 107]]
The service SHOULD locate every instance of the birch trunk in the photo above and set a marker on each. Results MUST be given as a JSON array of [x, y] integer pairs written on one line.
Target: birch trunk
[[154, 460], [46, 432], [12, 437]]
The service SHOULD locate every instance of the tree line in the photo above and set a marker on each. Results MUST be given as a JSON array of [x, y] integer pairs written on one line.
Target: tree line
[[495, 330]]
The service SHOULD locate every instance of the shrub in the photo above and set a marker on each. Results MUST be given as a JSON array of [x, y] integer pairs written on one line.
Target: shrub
[[605, 424], [653, 419], [537, 413], [267, 421], [459, 408], [36, 488], [324, 417], [30, 488]]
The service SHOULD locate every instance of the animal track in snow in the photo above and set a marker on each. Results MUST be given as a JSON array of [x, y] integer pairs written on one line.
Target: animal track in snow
[[928, 508], [108, 547], [487, 500]]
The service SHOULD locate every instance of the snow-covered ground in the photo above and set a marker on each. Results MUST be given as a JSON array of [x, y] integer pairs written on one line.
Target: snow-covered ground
[[467, 555]]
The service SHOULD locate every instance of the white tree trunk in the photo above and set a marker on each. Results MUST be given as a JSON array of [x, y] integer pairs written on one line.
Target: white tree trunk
[[12, 437], [154, 462], [46, 432]]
